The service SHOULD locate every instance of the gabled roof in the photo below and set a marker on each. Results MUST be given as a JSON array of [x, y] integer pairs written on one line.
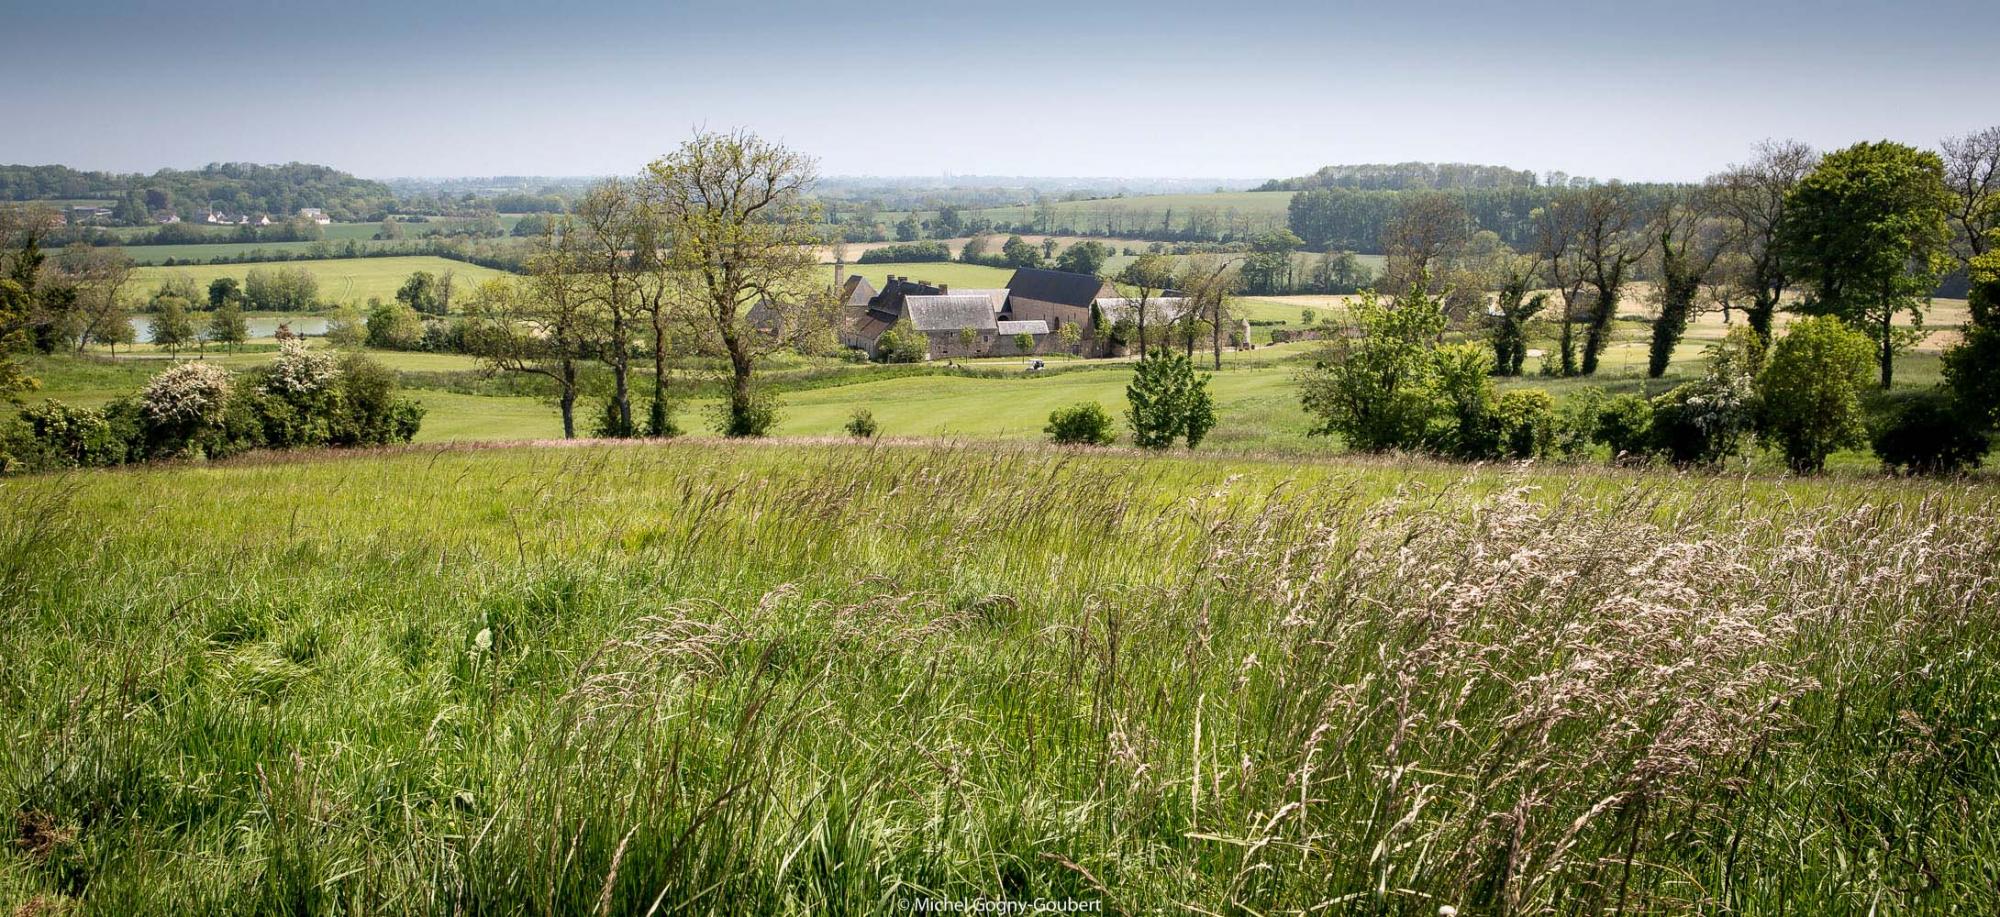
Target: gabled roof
[[1060, 287], [1030, 327], [999, 296], [856, 291], [950, 312]]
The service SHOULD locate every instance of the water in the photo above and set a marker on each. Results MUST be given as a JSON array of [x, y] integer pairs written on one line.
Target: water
[[261, 326]]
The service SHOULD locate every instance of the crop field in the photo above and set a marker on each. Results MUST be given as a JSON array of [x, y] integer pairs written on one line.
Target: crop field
[[341, 280], [793, 678]]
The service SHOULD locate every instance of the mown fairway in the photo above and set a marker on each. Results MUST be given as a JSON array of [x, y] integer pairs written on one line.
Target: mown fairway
[[726, 678], [341, 280]]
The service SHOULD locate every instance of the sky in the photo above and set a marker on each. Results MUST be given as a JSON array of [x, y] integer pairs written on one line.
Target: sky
[[1249, 89]]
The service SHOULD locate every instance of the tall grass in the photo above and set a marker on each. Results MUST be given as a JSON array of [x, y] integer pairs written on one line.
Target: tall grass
[[704, 678]]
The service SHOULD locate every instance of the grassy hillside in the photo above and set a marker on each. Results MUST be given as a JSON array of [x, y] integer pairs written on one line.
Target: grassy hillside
[[723, 678], [341, 280]]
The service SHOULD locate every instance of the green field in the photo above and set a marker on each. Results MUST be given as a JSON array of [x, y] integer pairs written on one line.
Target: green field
[[341, 280], [741, 678], [960, 276], [1257, 210]]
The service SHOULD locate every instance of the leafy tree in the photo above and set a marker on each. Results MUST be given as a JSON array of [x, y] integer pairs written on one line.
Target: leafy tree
[[1866, 232], [226, 325], [1019, 253], [1082, 424], [1024, 343], [743, 225], [903, 343], [1049, 244], [224, 290], [1168, 402], [171, 328], [1378, 391], [393, 326], [540, 326], [1142, 283], [1810, 390], [1972, 366], [1086, 257], [907, 229], [420, 292], [346, 328]]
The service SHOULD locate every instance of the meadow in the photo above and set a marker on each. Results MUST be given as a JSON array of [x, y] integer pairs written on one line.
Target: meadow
[[712, 677], [341, 280]]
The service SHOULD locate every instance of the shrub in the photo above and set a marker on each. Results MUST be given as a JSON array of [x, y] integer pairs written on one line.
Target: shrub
[[1624, 423], [394, 326], [660, 419], [1379, 391], [55, 435], [1972, 371], [611, 423], [755, 419], [1526, 425], [1082, 424], [301, 371], [371, 413], [861, 424], [182, 405], [1924, 432], [1705, 421], [1810, 391], [1168, 402]]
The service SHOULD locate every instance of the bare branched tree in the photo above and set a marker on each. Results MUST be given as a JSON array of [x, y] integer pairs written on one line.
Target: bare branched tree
[[1612, 238], [1421, 241], [1558, 228], [1972, 172], [1752, 197]]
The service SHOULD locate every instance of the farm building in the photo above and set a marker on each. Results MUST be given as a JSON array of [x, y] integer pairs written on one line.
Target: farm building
[[988, 322]]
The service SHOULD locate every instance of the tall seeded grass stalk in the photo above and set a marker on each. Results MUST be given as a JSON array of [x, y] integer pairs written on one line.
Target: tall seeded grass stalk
[[701, 679]]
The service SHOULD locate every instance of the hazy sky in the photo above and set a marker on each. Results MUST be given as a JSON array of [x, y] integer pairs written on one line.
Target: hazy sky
[[1249, 89]]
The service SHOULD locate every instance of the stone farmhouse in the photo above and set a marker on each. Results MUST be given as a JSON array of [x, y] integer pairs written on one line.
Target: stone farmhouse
[[989, 322]]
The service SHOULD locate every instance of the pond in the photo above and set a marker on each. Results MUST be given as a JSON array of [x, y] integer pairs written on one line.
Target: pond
[[261, 326]]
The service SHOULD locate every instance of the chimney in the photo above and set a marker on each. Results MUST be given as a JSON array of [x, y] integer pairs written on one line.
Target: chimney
[[944, 288]]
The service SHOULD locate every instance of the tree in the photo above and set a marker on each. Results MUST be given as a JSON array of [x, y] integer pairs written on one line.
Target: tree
[[1167, 402], [224, 290], [1024, 343], [1972, 172], [1810, 391], [1049, 244], [390, 229], [1208, 282], [20, 281], [1557, 228], [346, 328], [1019, 253], [420, 292], [1753, 198], [902, 343], [1511, 312], [171, 328], [607, 223], [1690, 243], [1378, 391], [93, 282], [738, 212], [227, 327], [1086, 257], [1610, 241], [539, 326], [393, 326], [1428, 231], [1866, 232], [1142, 283]]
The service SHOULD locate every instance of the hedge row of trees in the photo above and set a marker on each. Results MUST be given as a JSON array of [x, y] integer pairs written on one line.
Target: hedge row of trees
[[1807, 394], [303, 399]]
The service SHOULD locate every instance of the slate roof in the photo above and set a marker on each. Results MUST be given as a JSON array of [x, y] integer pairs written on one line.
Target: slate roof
[[1009, 329], [950, 312], [856, 291], [1060, 287]]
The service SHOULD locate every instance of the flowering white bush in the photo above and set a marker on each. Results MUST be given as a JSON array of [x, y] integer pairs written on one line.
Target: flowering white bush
[[185, 393], [301, 371]]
